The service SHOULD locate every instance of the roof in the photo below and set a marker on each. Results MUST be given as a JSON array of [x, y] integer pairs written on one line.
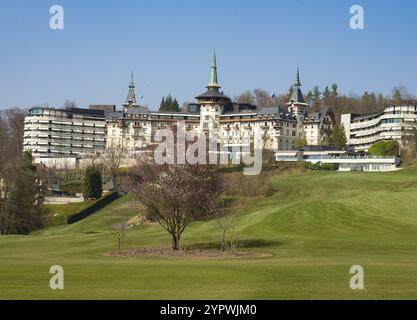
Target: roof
[[209, 94], [137, 110], [80, 111], [318, 116], [131, 96], [277, 112], [297, 95]]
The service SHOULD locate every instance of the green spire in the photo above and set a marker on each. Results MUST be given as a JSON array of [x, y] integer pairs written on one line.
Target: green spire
[[297, 82], [132, 81], [131, 96], [213, 77]]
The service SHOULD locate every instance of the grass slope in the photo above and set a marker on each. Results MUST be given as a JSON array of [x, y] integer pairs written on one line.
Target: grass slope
[[315, 226]]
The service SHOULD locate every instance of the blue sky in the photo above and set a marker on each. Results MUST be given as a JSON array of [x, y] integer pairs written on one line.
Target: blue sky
[[169, 45]]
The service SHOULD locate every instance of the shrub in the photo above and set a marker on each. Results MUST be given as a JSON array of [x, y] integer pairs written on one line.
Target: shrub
[[92, 183], [92, 208], [238, 184], [384, 148]]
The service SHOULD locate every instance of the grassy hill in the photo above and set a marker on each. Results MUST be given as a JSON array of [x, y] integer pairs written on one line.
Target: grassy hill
[[316, 226]]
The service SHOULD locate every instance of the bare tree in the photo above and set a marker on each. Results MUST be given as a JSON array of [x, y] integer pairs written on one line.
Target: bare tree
[[112, 159], [13, 124], [120, 231], [70, 104], [246, 97], [176, 195]]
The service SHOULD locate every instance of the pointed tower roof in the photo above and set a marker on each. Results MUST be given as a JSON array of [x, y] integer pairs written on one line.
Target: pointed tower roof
[[131, 96], [297, 95], [213, 93], [297, 82], [213, 83]]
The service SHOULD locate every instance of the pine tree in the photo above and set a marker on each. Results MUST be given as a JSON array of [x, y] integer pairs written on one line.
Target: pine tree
[[338, 137], [92, 183], [334, 90], [326, 95], [169, 104]]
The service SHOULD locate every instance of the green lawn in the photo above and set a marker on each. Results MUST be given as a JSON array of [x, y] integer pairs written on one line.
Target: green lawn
[[316, 226], [57, 214]]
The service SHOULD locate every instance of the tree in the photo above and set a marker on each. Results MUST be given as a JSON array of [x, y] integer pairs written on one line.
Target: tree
[[176, 195], [326, 95], [13, 122], [290, 92], [401, 93], [334, 90], [92, 188], [415, 138], [263, 98], [20, 212], [300, 143], [112, 160], [169, 104], [338, 137], [120, 231], [69, 104], [246, 97]]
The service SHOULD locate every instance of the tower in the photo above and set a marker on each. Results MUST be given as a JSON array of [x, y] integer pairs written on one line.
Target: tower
[[212, 102], [297, 104], [131, 95]]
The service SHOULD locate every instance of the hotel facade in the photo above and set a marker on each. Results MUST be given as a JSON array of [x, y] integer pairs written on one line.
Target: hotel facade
[[234, 124], [395, 122], [58, 133]]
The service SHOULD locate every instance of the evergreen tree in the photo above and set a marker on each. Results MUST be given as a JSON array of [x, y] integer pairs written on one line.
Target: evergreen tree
[[20, 212], [309, 97], [338, 137], [92, 183], [169, 104], [334, 90], [316, 93], [326, 95], [290, 92], [397, 96]]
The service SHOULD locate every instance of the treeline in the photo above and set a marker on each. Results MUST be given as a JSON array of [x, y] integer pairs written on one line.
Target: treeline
[[330, 96]]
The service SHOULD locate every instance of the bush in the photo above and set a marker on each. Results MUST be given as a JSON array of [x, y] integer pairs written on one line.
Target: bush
[[92, 208], [237, 184], [384, 148], [93, 188], [322, 166]]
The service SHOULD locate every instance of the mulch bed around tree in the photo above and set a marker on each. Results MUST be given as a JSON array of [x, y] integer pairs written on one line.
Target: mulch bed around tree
[[189, 253]]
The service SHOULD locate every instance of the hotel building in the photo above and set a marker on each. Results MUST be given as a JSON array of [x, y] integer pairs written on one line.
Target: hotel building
[[60, 133], [234, 124], [395, 122]]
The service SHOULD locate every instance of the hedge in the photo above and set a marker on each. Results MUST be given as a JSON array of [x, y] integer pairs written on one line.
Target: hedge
[[93, 208]]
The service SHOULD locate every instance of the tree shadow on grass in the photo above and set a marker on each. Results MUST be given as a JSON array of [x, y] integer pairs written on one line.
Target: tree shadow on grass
[[246, 244]]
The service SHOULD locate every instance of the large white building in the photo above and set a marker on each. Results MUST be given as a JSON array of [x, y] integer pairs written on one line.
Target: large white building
[[58, 133], [234, 124], [393, 123]]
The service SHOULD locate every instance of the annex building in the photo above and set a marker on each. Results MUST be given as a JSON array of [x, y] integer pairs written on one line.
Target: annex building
[[395, 122]]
